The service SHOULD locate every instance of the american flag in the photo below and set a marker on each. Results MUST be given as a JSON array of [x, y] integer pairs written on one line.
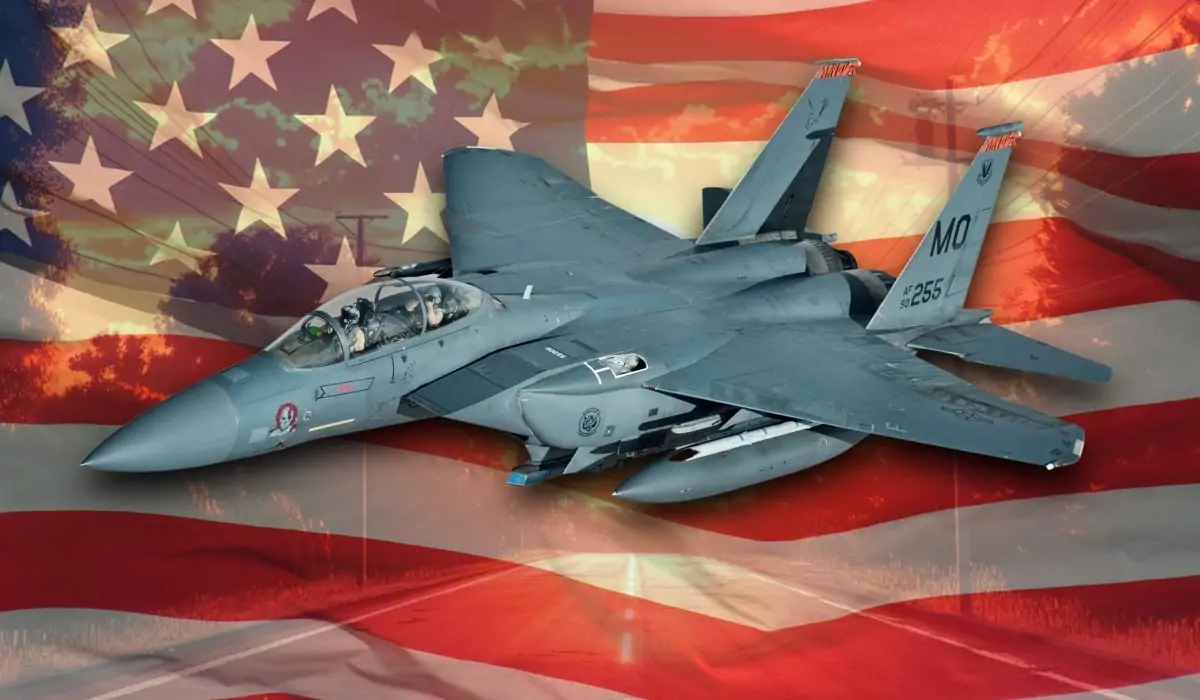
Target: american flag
[[180, 181]]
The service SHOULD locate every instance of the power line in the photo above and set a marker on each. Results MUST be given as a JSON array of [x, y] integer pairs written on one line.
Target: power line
[[360, 231]]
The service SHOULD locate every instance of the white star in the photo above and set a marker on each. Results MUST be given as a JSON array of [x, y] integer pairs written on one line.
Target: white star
[[346, 7], [424, 208], [338, 130], [174, 121], [13, 215], [85, 42], [13, 98], [492, 129], [176, 248], [411, 60], [250, 55], [188, 7], [343, 275], [260, 202], [492, 50], [90, 179]]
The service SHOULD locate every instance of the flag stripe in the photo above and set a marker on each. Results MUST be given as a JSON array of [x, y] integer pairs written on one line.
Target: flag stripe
[[708, 8], [1179, 688], [558, 627], [306, 658], [451, 507], [875, 189], [79, 308], [744, 100], [897, 43], [713, 113]]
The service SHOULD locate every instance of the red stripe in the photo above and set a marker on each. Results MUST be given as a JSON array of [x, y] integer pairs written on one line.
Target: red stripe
[[918, 43], [539, 622], [718, 112]]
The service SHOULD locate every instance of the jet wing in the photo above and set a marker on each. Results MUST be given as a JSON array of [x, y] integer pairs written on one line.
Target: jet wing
[[835, 375], [504, 208]]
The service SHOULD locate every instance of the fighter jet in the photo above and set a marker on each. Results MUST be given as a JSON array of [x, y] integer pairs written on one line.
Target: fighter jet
[[755, 351]]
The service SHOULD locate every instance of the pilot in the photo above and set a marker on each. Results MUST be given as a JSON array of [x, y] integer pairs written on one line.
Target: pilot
[[434, 312], [357, 337], [368, 321]]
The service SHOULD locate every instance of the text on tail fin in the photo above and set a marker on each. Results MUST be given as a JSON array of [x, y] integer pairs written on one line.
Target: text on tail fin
[[933, 286]]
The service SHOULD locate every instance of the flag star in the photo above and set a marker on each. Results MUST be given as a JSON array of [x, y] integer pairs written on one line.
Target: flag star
[[176, 248], [90, 179], [337, 129], [260, 202], [423, 206], [520, 4], [85, 42], [492, 129], [411, 60], [13, 215], [343, 275], [433, 4], [346, 7], [188, 7], [250, 55], [13, 98], [492, 50], [174, 121]]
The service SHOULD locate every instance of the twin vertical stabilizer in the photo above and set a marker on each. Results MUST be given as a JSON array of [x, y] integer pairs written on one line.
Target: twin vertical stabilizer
[[933, 286], [777, 192]]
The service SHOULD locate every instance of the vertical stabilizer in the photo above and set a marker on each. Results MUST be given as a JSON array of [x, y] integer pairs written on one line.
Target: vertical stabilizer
[[933, 286], [780, 185]]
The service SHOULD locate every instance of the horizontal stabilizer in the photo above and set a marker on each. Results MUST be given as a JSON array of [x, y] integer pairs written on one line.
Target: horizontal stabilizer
[[988, 344]]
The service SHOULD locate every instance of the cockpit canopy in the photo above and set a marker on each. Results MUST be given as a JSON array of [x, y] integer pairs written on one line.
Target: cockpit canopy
[[374, 316]]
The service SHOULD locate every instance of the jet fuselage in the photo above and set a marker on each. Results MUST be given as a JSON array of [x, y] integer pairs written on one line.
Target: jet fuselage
[[529, 360]]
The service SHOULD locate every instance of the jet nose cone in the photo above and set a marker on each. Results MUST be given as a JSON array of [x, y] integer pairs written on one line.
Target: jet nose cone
[[191, 429]]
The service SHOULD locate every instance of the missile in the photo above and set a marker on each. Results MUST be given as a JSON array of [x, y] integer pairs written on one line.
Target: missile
[[730, 463]]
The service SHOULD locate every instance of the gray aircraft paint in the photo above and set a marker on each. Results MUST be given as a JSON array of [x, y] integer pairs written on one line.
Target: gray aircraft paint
[[725, 343], [805, 132]]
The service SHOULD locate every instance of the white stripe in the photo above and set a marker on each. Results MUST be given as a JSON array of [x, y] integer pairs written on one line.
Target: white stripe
[[871, 189], [713, 8], [306, 658], [59, 311], [1146, 117], [1183, 688]]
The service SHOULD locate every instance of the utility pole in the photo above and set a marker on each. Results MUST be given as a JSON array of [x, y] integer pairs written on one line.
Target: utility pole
[[359, 250], [360, 232], [962, 549]]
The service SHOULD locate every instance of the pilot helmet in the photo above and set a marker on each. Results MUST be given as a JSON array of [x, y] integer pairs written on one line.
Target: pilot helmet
[[349, 314], [433, 294]]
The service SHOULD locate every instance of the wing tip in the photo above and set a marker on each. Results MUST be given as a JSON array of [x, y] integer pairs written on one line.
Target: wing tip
[[1100, 373], [1001, 129], [836, 68]]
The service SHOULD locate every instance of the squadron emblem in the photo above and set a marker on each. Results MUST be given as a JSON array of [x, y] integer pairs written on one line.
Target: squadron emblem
[[589, 422]]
